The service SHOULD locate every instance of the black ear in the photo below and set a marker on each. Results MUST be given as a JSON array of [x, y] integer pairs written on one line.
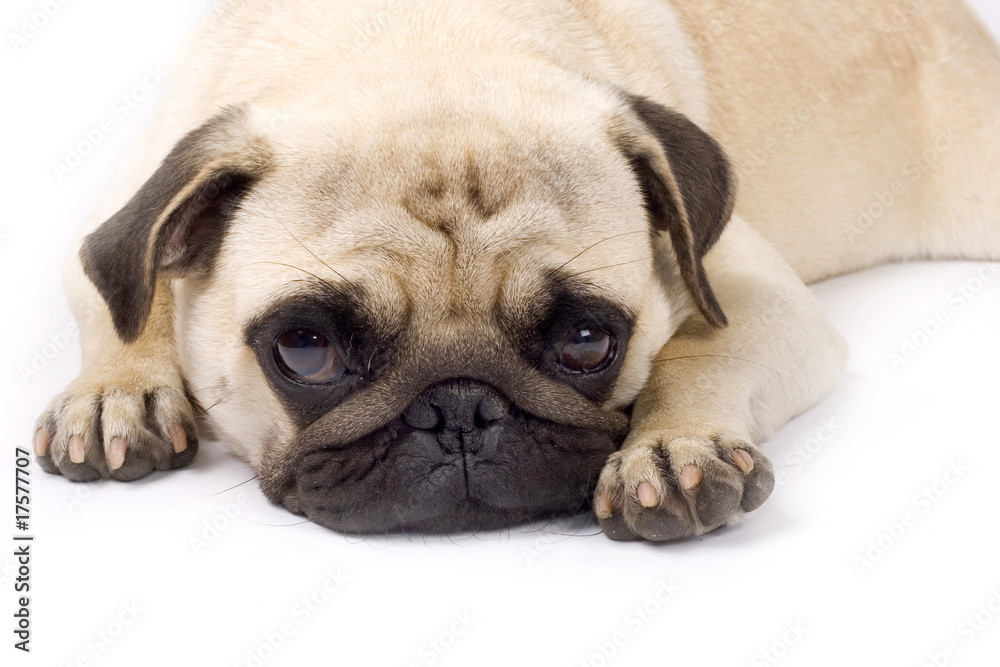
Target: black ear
[[688, 187], [176, 221]]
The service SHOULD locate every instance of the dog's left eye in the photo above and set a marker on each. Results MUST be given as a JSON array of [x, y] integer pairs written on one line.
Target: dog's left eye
[[306, 356], [587, 350]]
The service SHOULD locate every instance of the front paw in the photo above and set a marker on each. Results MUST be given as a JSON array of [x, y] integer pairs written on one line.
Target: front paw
[[121, 427], [659, 488]]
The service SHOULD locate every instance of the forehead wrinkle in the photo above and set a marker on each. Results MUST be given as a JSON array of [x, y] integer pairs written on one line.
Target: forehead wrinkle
[[463, 188], [462, 252], [565, 200]]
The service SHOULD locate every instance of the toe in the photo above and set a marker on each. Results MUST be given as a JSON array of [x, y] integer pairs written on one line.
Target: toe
[[716, 500], [135, 465], [659, 525], [78, 472], [43, 452], [186, 454], [47, 464], [759, 482], [617, 529]]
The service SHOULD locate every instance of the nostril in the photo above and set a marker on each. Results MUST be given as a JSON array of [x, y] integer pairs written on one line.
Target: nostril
[[480, 421], [491, 408], [424, 416]]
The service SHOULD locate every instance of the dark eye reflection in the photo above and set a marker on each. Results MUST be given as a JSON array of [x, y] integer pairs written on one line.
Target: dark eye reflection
[[586, 350], [306, 356]]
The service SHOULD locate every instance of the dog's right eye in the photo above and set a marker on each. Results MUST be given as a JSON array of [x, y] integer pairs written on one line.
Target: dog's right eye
[[307, 357]]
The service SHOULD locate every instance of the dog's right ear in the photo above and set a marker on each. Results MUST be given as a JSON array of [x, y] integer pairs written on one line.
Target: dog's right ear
[[176, 221]]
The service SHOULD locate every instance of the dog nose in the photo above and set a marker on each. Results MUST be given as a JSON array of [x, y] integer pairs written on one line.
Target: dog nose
[[457, 406]]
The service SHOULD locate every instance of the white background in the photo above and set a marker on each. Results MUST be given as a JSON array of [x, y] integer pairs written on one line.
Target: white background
[[122, 561]]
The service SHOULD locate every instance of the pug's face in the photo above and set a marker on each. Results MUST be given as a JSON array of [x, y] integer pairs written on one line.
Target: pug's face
[[427, 316]]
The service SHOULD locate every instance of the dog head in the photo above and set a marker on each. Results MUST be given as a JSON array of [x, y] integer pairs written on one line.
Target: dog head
[[424, 306]]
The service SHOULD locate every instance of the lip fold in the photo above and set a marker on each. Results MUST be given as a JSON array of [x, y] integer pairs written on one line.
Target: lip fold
[[401, 479]]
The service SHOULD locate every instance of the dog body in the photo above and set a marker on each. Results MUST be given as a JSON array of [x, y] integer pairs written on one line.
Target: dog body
[[436, 265]]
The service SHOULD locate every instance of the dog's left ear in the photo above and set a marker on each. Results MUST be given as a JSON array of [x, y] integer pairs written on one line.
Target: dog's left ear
[[175, 223], [688, 187]]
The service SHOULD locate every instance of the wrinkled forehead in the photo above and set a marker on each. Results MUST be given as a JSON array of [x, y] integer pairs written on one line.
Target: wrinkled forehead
[[456, 215], [457, 172]]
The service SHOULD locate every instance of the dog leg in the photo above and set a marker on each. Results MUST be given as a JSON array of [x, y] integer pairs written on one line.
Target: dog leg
[[690, 463], [126, 414]]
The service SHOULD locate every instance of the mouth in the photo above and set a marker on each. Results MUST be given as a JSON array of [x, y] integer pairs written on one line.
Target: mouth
[[462, 457]]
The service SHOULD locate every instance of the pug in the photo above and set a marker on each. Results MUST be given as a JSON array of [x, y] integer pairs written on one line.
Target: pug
[[448, 265]]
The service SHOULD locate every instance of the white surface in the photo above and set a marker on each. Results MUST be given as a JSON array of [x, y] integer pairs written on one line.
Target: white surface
[[532, 595]]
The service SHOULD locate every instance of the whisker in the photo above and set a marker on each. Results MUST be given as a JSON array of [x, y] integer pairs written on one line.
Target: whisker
[[204, 411], [196, 402], [214, 387], [297, 268], [609, 266], [276, 525], [313, 254], [641, 231], [210, 495], [720, 356]]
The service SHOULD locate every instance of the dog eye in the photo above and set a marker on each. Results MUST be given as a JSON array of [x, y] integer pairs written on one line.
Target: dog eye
[[587, 350], [306, 356]]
